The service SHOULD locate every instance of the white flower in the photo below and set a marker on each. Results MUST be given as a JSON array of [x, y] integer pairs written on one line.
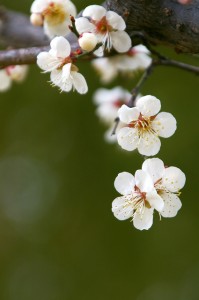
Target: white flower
[[139, 199], [168, 181], [12, 73], [107, 25], [137, 58], [143, 126], [56, 15], [64, 73], [109, 101], [87, 41]]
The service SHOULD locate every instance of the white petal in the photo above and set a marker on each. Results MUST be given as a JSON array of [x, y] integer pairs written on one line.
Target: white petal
[[99, 52], [60, 29], [172, 204], [141, 49], [47, 62], [60, 47], [164, 124], [155, 201], [38, 6], [173, 179], [124, 183], [154, 167], [128, 138], [95, 12], [149, 144], [127, 114], [145, 220], [148, 105], [84, 25], [66, 71], [105, 68], [121, 41], [56, 77], [122, 209], [69, 7], [115, 21], [144, 181], [79, 83], [5, 81]]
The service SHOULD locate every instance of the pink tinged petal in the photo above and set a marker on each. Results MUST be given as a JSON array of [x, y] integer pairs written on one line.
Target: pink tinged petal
[[60, 47], [121, 41], [172, 204], [122, 209], [144, 181], [154, 167], [155, 201], [128, 138], [115, 21], [148, 105], [149, 144], [79, 83], [38, 6], [84, 25], [173, 179], [124, 183], [144, 220], [95, 12], [127, 114], [164, 124], [47, 62]]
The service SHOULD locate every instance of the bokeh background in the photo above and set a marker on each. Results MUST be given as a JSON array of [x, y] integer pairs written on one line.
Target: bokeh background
[[58, 237]]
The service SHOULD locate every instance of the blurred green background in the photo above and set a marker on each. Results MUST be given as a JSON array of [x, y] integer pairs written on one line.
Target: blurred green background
[[58, 237]]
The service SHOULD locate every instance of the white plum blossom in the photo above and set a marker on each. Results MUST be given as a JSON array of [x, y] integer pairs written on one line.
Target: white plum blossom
[[12, 73], [137, 58], [108, 102], [54, 15], [59, 63], [139, 199], [108, 27], [168, 181], [143, 126]]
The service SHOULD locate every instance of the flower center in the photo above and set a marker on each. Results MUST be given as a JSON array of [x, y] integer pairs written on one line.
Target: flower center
[[143, 124], [54, 13], [102, 26]]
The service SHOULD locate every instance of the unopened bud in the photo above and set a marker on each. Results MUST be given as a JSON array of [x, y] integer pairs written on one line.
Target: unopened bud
[[88, 41], [36, 19]]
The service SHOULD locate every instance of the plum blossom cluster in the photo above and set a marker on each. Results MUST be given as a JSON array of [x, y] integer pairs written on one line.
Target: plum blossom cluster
[[11, 74], [153, 188]]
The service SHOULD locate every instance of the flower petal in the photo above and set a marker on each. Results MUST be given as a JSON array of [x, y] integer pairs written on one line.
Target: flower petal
[[124, 183], [79, 83], [115, 21], [172, 204], [122, 209], [56, 77], [173, 179], [84, 25], [128, 138], [47, 62], [155, 201], [154, 167], [95, 12], [38, 6], [60, 47], [145, 220], [121, 41], [164, 124], [148, 105], [60, 29], [127, 114], [149, 144], [5, 81], [144, 181]]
